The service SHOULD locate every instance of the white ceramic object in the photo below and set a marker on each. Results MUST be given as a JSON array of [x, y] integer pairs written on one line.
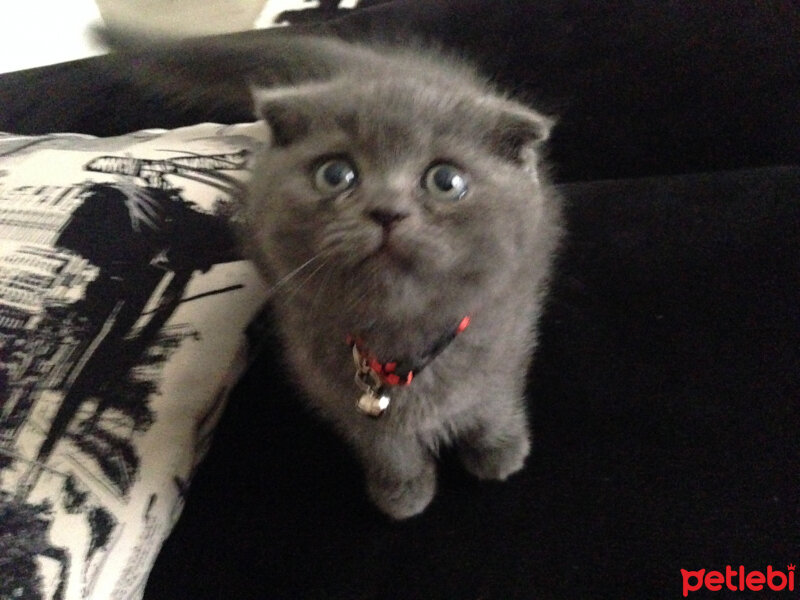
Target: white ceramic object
[[181, 17]]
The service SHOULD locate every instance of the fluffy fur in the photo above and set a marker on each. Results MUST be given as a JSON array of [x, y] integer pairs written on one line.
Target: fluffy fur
[[336, 269]]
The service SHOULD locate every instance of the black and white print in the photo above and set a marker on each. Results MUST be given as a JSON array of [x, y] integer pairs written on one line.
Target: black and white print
[[123, 306], [296, 12]]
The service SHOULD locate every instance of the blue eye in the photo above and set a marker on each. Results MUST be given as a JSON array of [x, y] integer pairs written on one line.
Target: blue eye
[[334, 176], [445, 182]]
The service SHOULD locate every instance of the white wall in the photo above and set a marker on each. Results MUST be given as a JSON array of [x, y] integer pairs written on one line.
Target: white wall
[[41, 32]]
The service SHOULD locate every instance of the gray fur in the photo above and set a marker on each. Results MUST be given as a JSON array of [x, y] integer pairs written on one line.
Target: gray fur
[[393, 113]]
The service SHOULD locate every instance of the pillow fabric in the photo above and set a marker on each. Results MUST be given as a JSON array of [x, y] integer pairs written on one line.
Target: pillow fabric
[[124, 303]]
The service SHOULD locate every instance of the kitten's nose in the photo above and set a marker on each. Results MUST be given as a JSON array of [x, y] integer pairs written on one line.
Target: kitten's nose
[[386, 217]]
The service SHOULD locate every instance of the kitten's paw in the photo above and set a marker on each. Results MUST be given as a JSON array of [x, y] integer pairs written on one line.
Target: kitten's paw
[[496, 462], [401, 499]]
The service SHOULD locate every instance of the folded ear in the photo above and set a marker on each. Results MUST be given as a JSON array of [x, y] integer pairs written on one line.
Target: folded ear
[[518, 131], [286, 112]]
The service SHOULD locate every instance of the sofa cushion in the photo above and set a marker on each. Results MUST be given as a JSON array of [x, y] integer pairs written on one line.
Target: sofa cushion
[[124, 301]]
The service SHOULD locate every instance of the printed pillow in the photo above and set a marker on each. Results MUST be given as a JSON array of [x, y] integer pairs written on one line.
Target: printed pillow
[[124, 304]]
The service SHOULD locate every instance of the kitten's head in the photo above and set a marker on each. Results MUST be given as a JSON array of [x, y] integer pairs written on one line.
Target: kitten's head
[[395, 190], [400, 189]]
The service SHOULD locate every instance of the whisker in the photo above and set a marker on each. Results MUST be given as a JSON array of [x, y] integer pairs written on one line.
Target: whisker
[[319, 295], [333, 240], [286, 278], [306, 280]]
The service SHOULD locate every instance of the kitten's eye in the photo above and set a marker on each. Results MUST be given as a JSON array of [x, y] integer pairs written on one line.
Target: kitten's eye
[[445, 182], [334, 176]]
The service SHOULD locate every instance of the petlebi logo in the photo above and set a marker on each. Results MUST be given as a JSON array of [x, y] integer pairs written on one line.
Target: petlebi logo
[[739, 579]]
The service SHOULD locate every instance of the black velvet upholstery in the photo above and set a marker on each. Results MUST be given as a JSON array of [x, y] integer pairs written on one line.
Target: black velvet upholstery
[[664, 400], [665, 395]]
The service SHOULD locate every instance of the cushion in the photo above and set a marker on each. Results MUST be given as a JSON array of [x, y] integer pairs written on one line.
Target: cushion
[[124, 303]]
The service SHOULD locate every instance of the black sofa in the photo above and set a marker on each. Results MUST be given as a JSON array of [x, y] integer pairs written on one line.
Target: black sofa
[[665, 397]]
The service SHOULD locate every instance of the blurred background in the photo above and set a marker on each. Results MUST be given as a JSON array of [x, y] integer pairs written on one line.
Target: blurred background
[[34, 33]]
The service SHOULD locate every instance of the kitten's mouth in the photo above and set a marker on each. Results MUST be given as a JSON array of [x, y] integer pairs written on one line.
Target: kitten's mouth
[[390, 253], [387, 245]]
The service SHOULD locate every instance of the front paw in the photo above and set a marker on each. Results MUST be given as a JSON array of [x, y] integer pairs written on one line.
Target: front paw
[[401, 499], [497, 461]]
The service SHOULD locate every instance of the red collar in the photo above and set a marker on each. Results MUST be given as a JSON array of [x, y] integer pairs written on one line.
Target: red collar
[[401, 372]]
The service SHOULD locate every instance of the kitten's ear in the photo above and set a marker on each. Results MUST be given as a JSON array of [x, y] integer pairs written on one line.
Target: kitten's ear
[[519, 131], [286, 111]]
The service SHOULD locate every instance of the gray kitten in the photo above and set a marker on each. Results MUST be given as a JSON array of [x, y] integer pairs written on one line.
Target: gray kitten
[[403, 219]]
